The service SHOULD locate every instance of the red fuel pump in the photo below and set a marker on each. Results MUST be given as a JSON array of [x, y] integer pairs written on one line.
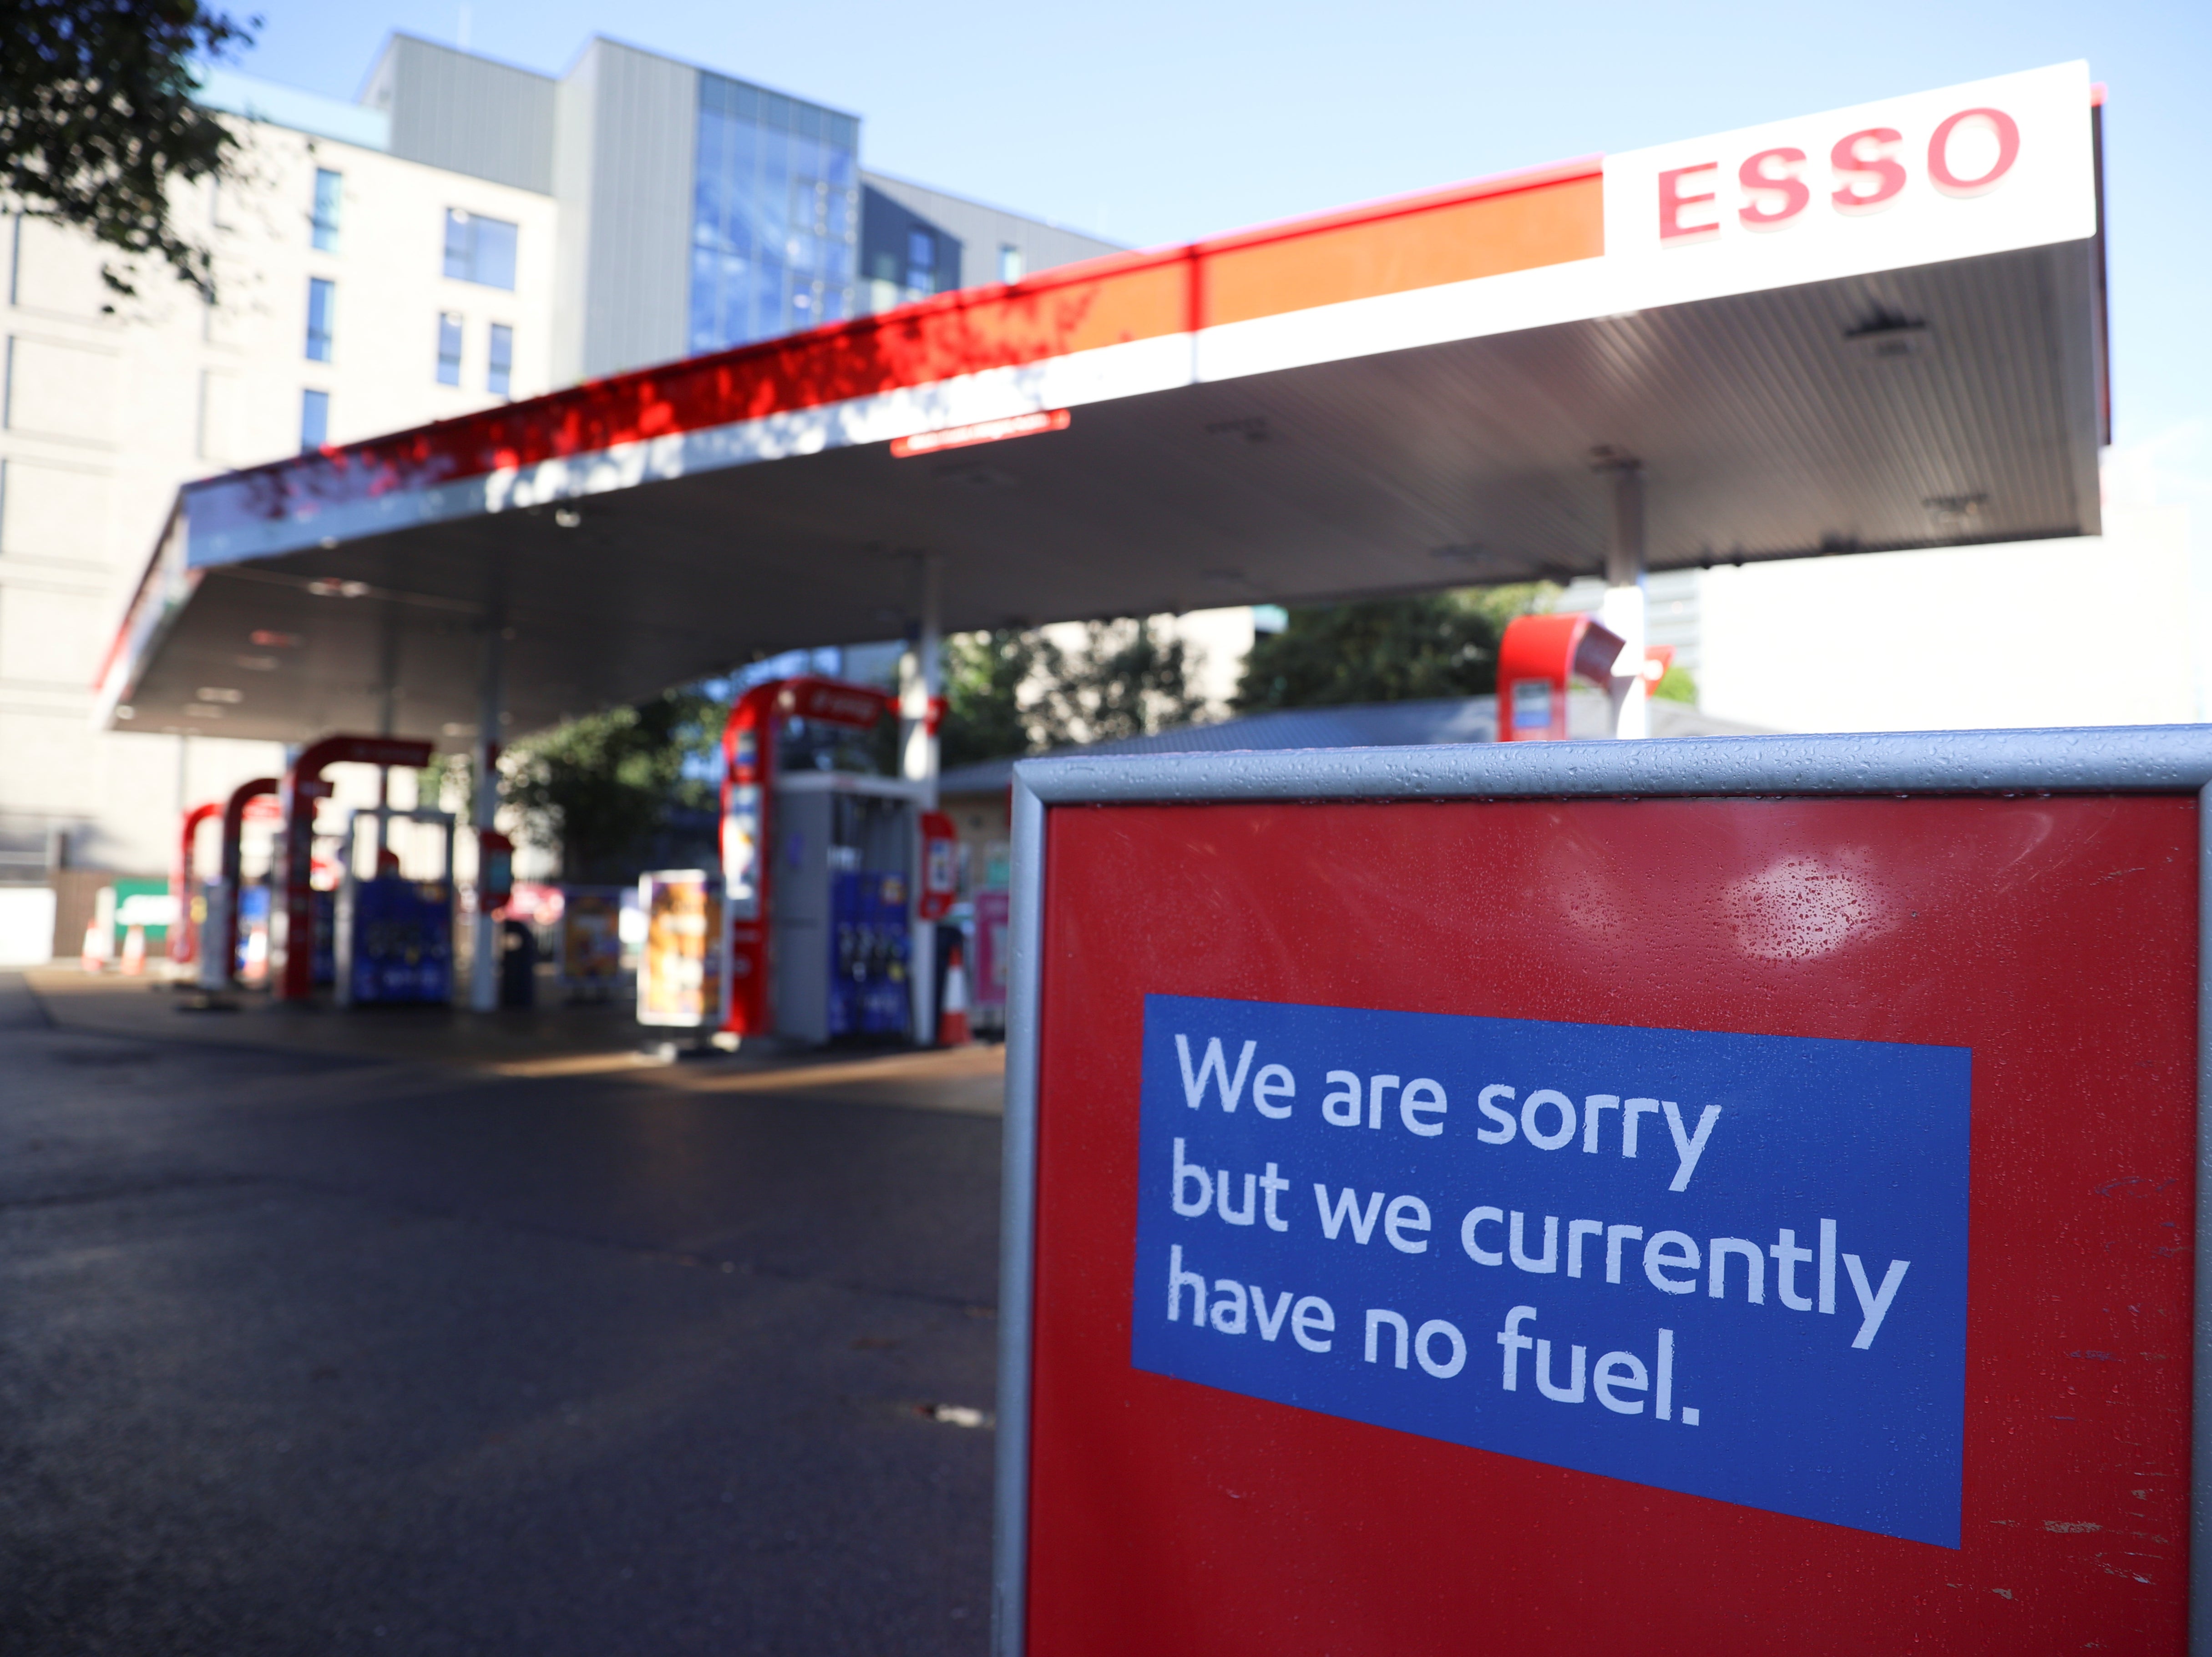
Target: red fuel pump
[[218, 958], [941, 867], [1538, 658], [184, 933], [292, 923], [749, 745]]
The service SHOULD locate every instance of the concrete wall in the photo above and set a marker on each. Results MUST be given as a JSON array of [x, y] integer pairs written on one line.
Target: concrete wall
[[2109, 629], [2096, 631]]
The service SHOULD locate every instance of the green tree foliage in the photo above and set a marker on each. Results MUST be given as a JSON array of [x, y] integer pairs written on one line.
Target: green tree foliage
[[1384, 650], [98, 125], [1129, 678], [1012, 692], [599, 787], [984, 676], [1679, 686]]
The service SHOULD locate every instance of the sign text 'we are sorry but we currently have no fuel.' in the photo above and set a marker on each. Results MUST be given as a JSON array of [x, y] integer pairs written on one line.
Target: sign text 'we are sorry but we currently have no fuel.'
[[1732, 1266]]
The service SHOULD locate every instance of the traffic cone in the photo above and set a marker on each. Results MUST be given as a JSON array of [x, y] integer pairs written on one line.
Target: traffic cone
[[952, 1017], [134, 952], [95, 957]]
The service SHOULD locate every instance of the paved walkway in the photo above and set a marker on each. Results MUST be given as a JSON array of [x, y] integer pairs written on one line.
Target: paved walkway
[[541, 1042], [311, 1344]]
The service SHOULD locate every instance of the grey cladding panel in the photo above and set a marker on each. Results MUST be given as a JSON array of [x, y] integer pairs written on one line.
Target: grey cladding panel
[[468, 114], [983, 230], [575, 102], [645, 127]]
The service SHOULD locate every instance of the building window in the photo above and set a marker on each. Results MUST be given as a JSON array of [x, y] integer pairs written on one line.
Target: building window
[[775, 215], [449, 349], [322, 306], [906, 256], [329, 191], [314, 420], [1010, 262], [479, 250], [920, 263], [500, 375]]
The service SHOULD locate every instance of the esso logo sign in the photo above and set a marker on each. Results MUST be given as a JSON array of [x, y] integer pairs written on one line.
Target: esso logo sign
[[1956, 172], [1970, 152]]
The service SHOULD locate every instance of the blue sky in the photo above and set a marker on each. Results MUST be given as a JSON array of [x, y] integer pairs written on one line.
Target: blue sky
[[1148, 121]]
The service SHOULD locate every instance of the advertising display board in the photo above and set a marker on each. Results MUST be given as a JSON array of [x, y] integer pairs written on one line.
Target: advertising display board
[[993, 910], [1692, 1197], [679, 973], [591, 950]]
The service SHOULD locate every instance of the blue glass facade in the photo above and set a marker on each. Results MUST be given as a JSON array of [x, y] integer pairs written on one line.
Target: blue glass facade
[[775, 217]]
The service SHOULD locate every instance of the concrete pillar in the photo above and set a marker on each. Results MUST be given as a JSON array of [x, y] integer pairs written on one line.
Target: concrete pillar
[[1623, 610], [484, 960], [290, 869], [921, 682], [180, 887], [388, 725]]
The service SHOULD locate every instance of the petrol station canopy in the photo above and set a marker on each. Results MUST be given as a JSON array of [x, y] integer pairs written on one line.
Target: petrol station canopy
[[1879, 328]]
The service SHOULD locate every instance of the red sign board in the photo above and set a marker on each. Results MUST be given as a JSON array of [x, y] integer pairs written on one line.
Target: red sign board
[[941, 867], [1984, 927], [854, 707]]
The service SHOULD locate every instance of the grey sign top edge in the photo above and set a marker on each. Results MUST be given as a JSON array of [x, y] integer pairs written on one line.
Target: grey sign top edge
[[2126, 759]]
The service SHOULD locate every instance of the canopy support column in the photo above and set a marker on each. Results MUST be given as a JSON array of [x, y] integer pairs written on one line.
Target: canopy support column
[[922, 698], [388, 725], [1623, 610], [484, 958]]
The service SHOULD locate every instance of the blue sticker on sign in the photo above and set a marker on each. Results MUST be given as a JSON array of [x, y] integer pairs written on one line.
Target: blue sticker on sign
[[1731, 1265]]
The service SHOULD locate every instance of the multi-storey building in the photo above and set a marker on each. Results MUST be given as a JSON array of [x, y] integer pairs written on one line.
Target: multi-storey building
[[467, 231]]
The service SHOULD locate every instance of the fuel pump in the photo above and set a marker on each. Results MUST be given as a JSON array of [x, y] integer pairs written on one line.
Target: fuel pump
[[223, 896], [184, 891], [1540, 657], [298, 946], [818, 866], [393, 936]]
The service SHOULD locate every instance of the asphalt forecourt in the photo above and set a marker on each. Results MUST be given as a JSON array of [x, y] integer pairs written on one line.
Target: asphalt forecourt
[[309, 1353]]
